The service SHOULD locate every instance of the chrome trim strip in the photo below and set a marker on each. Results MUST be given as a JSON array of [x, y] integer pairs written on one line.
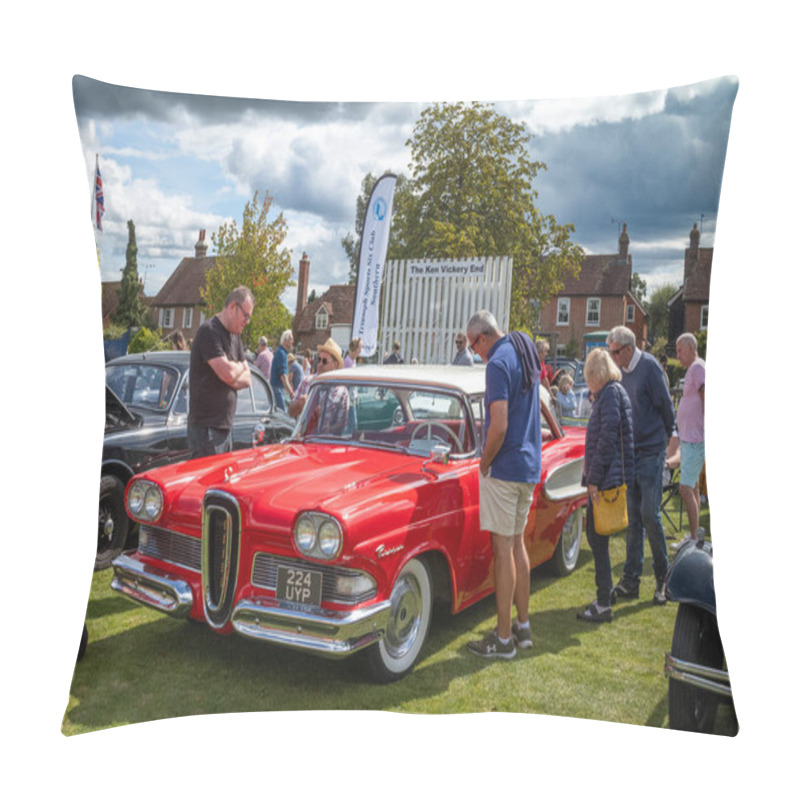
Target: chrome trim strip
[[151, 587], [334, 634], [697, 675]]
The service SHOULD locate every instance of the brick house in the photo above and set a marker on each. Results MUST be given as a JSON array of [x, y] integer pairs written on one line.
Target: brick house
[[329, 315], [179, 305], [595, 301], [688, 307]]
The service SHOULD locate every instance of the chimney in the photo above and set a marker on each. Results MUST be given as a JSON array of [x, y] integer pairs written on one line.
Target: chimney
[[694, 241], [201, 247], [624, 241], [302, 284]]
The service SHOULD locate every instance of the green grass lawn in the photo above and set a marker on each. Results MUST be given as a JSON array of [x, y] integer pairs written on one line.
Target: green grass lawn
[[142, 666]]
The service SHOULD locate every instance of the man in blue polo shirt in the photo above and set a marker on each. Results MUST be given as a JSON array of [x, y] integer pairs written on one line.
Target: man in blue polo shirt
[[510, 467]]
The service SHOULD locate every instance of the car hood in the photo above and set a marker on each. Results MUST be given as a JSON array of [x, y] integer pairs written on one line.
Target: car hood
[[118, 415], [273, 484]]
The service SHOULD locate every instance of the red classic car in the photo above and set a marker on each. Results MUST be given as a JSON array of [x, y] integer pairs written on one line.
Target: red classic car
[[338, 539]]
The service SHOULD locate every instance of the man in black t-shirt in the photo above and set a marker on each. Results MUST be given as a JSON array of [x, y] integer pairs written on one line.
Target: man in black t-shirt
[[217, 370]]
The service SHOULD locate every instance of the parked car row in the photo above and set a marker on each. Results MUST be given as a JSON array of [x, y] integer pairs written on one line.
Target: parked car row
[[337, 535]]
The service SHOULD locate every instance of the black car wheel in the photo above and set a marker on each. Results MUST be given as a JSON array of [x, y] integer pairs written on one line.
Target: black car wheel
[[695, 639], [396, 653], [112, 522]]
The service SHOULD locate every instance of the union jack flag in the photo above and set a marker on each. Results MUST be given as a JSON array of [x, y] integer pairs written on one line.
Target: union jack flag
[[99, 205]]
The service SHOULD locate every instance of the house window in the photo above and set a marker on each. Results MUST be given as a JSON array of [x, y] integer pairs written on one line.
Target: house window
[[167, 317], [562, 315], [630, 315], [593, 311], [703, 318], [188, 313], [322, 319]]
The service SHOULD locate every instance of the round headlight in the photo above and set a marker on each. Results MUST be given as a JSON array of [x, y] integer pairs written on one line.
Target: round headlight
[[136, 498], [152, 502], [330, 539], [305, 534]]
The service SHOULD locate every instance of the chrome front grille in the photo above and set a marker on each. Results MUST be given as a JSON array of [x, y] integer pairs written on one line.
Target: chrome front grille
[[175, 548], [220, 555], [265, 576]]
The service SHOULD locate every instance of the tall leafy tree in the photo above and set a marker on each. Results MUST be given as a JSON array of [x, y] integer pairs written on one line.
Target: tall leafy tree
[[658, 312], [638, 287], [253, 256], [471, 194], [131, 311]]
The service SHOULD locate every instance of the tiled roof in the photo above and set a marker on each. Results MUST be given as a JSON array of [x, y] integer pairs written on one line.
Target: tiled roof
[[339, 302], [599, 275], [183, 286]]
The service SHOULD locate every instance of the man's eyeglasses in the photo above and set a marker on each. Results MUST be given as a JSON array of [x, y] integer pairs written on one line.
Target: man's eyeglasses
[[324, 361], [474, 341], [618, 350], [244, 313]]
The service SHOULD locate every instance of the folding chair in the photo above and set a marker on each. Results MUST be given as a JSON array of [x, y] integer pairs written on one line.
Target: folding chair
[[671, 488]]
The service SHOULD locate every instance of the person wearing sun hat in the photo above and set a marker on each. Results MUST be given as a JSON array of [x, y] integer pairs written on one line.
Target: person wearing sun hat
[[329, 357]]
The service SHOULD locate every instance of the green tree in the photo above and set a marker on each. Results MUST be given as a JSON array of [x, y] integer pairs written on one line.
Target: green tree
[[253, 257], [658, 312], [131, 311], [350, 242], [638, 287], [471, 194]]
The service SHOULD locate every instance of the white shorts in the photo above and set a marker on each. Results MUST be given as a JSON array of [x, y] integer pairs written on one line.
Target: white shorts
[[504, 505]]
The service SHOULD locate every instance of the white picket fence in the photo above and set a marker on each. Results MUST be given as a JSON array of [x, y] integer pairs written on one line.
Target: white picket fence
[[425, 303]]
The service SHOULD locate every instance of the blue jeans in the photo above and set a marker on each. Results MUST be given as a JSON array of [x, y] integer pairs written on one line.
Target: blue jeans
[[644, 517], [280, 399], [602, 561], [204, 441]]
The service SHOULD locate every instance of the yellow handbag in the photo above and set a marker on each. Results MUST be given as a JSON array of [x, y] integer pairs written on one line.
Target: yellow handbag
[[611, 511]]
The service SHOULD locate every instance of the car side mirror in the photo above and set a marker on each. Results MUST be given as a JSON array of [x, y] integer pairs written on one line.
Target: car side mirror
[[440, 454]]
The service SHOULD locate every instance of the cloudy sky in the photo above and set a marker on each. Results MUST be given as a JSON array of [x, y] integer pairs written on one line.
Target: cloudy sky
[[176, 163]]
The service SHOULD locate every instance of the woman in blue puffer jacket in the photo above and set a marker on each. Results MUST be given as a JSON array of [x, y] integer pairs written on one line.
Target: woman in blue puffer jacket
[[608, 463]]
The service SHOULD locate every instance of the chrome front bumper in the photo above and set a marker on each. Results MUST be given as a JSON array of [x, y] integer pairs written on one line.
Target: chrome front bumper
[[334, 634], [697, 675], [151, 586]]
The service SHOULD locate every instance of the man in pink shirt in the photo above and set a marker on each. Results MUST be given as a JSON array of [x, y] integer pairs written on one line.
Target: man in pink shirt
[[691, 428]]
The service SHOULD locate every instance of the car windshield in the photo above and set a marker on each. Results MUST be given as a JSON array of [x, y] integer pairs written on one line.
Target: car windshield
[[406, 418], [573, 409], [143, 385]]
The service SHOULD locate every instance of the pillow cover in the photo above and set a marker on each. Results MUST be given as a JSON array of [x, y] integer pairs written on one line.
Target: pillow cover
[[633, 180]]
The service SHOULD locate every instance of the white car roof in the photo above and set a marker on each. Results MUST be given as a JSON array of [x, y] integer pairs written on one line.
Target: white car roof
[[470, 380]]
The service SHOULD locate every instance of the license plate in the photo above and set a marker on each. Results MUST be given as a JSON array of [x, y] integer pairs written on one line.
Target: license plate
[[299, 586]]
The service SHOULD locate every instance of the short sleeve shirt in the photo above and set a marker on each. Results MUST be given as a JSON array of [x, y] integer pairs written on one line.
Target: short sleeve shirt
[[212, 403], [691, 412], [280, 366], [520, 457]]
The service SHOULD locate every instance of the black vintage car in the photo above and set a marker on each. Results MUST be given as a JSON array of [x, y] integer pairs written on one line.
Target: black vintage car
[[147, 404], [696, 665]]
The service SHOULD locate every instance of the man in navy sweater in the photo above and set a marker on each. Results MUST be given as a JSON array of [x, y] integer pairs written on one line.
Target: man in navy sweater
[[653, 425]]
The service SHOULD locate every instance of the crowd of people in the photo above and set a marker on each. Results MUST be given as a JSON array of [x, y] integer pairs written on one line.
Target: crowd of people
[[631, 428]]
